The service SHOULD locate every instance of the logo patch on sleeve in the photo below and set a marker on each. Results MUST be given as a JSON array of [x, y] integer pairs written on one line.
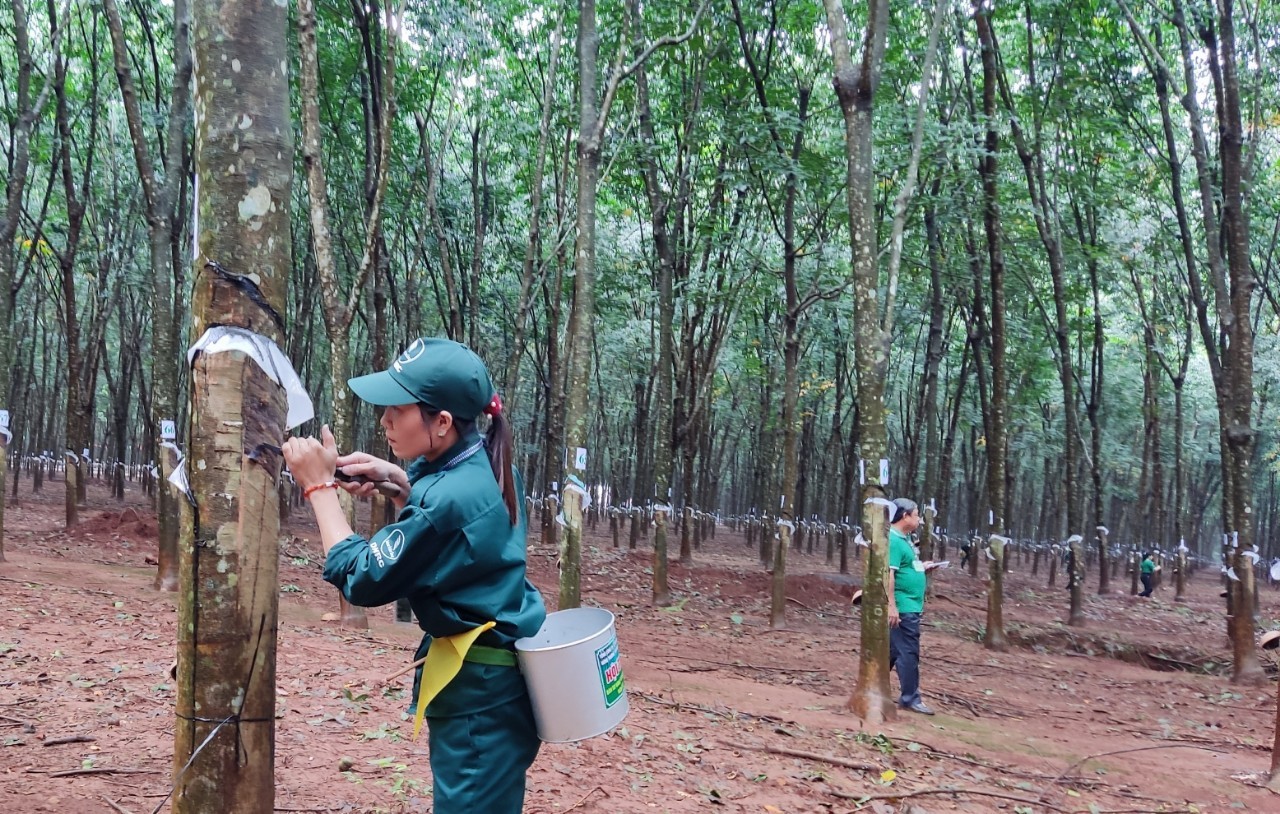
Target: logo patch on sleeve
[[393, 546]]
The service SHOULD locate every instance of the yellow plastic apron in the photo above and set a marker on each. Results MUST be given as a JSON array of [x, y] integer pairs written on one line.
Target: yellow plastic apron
[[444, 660]]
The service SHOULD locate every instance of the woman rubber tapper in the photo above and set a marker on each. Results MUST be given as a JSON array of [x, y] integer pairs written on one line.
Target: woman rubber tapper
[[456, 552]]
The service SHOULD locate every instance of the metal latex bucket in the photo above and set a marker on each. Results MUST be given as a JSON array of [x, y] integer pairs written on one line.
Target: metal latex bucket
[[574, 672]]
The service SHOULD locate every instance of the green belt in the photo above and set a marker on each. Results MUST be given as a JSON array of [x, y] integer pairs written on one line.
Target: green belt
[[495, 656]]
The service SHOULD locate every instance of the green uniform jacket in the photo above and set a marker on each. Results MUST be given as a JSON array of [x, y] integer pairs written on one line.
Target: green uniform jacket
[[454, 554], [908, 574]]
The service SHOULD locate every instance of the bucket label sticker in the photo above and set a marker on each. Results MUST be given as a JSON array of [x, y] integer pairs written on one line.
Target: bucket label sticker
[[610, 672]]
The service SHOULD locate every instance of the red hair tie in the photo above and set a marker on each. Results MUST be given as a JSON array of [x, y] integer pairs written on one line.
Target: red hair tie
[[495, 406]]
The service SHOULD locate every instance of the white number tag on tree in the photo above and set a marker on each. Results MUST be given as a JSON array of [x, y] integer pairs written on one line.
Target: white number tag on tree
[[580, 458], [884, 471], [168, 431], [4, 428]]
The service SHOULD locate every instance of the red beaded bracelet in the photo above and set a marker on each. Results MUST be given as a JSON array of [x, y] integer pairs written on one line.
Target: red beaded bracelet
[[306, 493]]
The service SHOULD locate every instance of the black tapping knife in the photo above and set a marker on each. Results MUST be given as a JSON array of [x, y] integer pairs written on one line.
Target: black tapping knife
[[384, 487]]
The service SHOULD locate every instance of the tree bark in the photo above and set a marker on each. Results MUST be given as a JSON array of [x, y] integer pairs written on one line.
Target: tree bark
[[434, 171], [553, 383], [994, 638], [338, 306], [855, 88], [533, 244], [1029, 148], [934, 352], [25, 116], [1238, 425], [659, 207], [1094, 405], [1231, 280], [582, 317], [161, 197], [789, 155], [593, 117], [227, 609], [80, 366], [997, 441]]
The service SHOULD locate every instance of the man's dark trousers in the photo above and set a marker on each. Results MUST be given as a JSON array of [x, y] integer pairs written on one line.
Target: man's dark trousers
[[904, 656], [1146, 585]]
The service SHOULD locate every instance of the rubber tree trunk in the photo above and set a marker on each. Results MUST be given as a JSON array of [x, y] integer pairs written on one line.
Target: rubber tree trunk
[[994, 638], [1029, 149], [871, 698], [338, 301], [162, 199], [658, 217], [1180, 573], [856, 89], [845, 529], [168, 508], [227, 602], [1273, 782], [1075, 580], [787, 516], [3, 468], [164, 380], [927, 533], [577, 418], [1237, 421], [763, 540], [927, 537], [533, 244], [661, 589], [342, 425], [778, 599], [550, 528], [688, 542], [70, 503], [25, 106], [997, 446], [1103, 533]]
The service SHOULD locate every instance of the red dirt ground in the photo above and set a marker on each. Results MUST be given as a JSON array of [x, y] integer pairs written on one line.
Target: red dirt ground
[[726, 714]]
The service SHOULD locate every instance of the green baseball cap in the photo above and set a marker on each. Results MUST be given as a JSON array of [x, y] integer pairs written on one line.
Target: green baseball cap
[[439, 373]]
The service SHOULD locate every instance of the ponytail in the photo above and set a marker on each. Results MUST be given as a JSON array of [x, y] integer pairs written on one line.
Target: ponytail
[[498, 444]]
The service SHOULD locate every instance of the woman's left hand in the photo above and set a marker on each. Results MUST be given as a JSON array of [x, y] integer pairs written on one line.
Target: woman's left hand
[[312, 462]]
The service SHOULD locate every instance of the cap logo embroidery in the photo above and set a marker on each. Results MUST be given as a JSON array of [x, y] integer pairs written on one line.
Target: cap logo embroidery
[[410, 354]]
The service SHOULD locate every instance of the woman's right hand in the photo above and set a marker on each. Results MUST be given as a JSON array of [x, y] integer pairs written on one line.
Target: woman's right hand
[[376, 470]]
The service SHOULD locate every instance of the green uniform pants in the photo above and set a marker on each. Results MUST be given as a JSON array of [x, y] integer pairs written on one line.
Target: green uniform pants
[[479, 759]]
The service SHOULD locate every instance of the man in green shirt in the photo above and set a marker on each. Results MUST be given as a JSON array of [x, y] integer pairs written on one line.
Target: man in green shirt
[[1148, 574], [906, 603]]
